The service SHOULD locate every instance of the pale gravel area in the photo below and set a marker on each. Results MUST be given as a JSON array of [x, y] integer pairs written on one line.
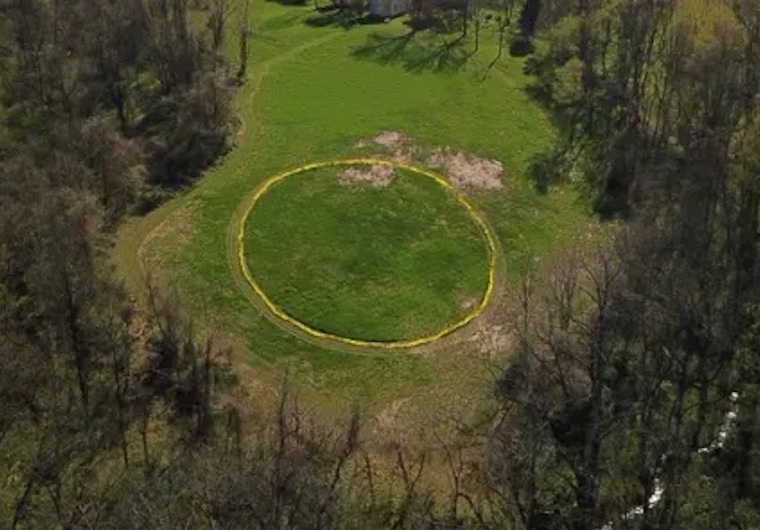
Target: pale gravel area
[[463, 170], [391, 139], [377, 175], [466, 171]]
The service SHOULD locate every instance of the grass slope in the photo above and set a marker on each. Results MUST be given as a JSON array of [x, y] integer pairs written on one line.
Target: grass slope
[[312, 94]]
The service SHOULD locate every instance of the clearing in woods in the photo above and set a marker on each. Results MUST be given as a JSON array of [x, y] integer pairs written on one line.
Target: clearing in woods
[[320, 92]]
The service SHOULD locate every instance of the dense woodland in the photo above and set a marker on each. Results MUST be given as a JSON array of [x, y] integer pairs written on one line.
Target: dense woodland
[[637, 372]]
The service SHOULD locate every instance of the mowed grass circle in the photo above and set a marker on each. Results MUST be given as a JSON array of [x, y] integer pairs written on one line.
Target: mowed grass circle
[[390, 266]]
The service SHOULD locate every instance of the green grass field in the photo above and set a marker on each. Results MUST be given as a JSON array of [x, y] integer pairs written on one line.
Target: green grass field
[[367, 262], [313, 92]]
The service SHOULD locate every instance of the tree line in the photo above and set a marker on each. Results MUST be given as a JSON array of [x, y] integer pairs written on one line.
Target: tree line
[[106, 107], [635, 360]]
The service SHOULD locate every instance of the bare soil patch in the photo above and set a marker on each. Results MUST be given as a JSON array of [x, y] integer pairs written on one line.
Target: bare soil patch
[[468, 171], [467, 302], [493, 333], [391, 139], [389, 421], [377, 175], [464, 170]]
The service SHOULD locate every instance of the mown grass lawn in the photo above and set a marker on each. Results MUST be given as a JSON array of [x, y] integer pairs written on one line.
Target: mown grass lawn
[[376, 263], [313, 93]]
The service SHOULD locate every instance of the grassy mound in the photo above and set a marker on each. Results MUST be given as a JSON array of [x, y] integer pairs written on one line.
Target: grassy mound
[[373, 262]]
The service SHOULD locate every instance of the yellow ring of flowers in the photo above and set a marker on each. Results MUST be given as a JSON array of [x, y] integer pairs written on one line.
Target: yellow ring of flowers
[[409, 343]]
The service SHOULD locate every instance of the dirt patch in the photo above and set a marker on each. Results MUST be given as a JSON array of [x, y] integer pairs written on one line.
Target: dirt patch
[[391, 139], [463, 170], [468, 171], [493, 333], [492, 340], [391, 423], [467, 302], [377, 175]]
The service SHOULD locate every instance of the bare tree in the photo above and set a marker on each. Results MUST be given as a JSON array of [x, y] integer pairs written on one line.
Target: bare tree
[[245, 34]]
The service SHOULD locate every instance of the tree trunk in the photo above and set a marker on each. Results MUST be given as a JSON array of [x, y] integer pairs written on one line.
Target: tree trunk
[[244, 36]]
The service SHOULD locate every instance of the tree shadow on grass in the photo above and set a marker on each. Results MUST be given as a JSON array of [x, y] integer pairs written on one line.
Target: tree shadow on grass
[[547, 169], [413, 55], [553, 166], [290, 2], [342, 17], [511, 43]]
